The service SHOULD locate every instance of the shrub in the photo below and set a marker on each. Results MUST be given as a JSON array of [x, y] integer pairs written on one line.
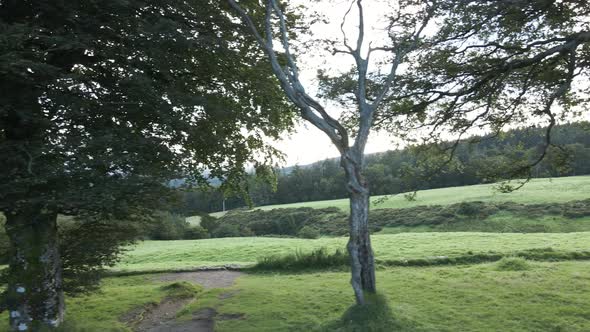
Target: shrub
[[317, 259], [4, 243], [209, 223], [512, 264], [167, 226], [289, 221], [182, 289], [308, 232], [226, 230], [195, 233]]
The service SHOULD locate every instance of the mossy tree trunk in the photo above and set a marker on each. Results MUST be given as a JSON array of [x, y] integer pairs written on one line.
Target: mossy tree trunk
[[35, 298]]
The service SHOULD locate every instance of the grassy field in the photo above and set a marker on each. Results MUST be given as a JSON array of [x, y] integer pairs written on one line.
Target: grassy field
[[537, 191], [186, 254], [480, 297], [466, 298], [536, 296]]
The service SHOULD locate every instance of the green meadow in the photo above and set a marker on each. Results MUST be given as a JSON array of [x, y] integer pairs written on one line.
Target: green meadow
[[548, 292], [482, 297], [546, 190], [187, 254]]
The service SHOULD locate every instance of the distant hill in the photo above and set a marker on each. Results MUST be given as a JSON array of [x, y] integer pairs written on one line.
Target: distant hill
[[324, 180]]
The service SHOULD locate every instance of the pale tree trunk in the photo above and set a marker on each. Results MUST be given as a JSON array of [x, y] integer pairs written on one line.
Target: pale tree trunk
[[359, 245], [362, 261], [35, 298]]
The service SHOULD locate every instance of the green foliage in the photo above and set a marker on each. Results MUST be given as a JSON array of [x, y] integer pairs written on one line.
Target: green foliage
[[195, 233], [476, 160], [465, 216], [458, 248], [167, 226], [209, 223], [89, 246], [182, 289], [226, 230], [301, 261], [320, 259], [512, 264], [308, 232], [288, 221], [4, 244]]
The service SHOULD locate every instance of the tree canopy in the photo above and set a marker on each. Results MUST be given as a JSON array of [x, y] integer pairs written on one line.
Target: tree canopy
[[103, 103], [441, 68]]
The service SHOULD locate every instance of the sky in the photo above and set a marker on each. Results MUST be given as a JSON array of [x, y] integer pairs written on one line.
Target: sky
[[308, 144]]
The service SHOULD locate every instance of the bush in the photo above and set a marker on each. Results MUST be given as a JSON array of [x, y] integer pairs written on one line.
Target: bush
[[167, 226], [195, 233], [226, 230], [512, 264], [182, 289], [4, 242], [470, 209], [209, 223], [317, 259], [308, 232]]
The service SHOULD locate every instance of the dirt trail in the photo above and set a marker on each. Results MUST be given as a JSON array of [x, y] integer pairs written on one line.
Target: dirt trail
[[161, 317], [207, 279]]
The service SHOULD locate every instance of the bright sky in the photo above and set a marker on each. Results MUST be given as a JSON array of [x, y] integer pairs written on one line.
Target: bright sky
[[308, 144]]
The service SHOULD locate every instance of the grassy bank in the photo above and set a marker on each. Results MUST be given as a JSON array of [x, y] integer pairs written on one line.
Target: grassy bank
[[556, 190], [170, 255], [483, 297], [467, 298]]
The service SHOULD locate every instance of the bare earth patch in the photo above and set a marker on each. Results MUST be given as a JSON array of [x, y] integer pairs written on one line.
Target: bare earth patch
[[207, 279], [161, 317]]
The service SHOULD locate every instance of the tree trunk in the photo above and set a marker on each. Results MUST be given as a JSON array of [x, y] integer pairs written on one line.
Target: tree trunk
[[362, 261], [35, 298]]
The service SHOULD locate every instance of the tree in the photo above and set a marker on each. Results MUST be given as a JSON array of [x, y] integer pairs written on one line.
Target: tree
[[366, 103], [411, 84], [102, 104], [499, 65]]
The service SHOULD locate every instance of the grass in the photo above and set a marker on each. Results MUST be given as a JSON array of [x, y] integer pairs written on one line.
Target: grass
[[544, 190], [103, 311], [504, 222], [186, 254], [511, 294], [480, 297], [513, 264], [459, 298]]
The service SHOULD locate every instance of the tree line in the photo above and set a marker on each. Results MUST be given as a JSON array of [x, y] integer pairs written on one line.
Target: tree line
[[387, 172]]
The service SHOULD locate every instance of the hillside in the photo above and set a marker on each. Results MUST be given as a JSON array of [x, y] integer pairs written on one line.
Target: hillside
[[180, 255], [545, 190]]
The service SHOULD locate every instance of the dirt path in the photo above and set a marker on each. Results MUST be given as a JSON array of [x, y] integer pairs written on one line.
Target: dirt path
[[161, 317], [207, 279]]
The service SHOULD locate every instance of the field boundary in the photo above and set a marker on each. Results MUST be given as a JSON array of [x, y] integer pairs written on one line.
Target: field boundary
[[228, 267]]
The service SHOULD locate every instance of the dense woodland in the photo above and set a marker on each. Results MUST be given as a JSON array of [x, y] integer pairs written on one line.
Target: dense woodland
[[474, 162]]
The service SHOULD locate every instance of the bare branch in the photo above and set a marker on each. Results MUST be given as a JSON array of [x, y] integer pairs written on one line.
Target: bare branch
[[290, 79], [345, 40]]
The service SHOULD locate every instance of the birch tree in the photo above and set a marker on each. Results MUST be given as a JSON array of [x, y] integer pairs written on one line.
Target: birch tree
[[273, 32], [443, 69]]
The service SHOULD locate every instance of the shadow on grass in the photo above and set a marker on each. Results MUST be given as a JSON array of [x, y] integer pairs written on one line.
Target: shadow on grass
[[374, 316]]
